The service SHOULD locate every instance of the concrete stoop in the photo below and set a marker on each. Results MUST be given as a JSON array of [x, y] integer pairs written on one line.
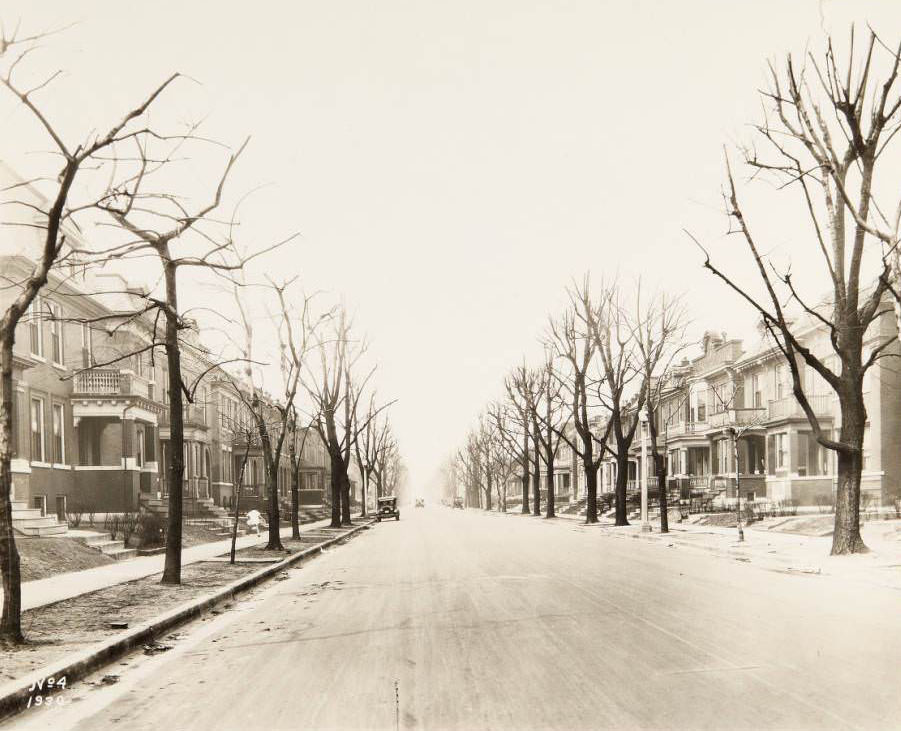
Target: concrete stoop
[[104, 543], [29, 522]]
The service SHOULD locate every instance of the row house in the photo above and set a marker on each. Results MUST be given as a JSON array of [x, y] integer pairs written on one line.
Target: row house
[[91, 398], [732, 404]]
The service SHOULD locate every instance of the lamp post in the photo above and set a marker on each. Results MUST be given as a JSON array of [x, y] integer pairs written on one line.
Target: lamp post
[[643, 425]]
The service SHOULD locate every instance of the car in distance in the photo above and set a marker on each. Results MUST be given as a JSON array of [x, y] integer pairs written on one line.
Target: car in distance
[[458, 502], [420, 502], [387, 508]]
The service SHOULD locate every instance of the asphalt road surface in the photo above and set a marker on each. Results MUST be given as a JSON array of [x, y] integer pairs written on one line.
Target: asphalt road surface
[[452, 619]]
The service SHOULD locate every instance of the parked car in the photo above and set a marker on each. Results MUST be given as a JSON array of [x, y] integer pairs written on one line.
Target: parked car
[[458, 502], [387, 508], [420, 502]]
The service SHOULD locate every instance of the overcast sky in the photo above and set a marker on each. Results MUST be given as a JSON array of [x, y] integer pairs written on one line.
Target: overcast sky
[[452, 165]]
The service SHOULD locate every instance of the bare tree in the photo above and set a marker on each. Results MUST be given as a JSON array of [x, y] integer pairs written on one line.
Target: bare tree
[[503, 451], [295, 455], [527, 389], [550, 416], [825, 130], [658, 330], [368, 447], [621, 389], [513, 421], [572, 338], [336, 390], [160, 224], [50, 218]]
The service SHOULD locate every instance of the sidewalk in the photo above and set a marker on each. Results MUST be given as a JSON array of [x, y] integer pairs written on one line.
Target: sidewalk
[[64, 586], [776, 551]]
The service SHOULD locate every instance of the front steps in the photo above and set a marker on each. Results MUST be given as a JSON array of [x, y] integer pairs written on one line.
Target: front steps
[[29, 522], [192, 509], [103, 542]]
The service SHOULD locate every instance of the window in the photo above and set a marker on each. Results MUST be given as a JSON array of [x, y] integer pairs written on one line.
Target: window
[[37, 430], [779, 384], [59, 437], [757, 393], [87, 345], [36, 328], [777, 452], [723, 447], [56, 333]]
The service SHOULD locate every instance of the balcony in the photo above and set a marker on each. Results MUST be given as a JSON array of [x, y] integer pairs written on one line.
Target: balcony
[[686, 427], [738, 417], [789, 408], [111, 382]]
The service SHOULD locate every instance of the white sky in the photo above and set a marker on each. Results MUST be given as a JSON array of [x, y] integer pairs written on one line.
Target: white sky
[[452, 165]]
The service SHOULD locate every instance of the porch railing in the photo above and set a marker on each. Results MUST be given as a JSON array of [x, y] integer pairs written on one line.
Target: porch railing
[[790, 408], [738, 417]]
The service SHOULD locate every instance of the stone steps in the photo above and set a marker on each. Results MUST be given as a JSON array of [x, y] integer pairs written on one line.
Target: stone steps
[[104, 543], [29, 522]]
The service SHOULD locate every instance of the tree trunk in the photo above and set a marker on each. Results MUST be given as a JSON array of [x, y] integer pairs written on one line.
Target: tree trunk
[[846, 534], [238, 500], [591, 491], [345, 497], [172, 568], [275, 533], [536, 479], [336, 490], [549, 481], [659, 462], [11, 619], [622, 478], [488, 491], [525, 470], [295, 502]]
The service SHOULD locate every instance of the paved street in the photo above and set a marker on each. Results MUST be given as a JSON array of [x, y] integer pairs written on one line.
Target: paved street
[[509, 622]]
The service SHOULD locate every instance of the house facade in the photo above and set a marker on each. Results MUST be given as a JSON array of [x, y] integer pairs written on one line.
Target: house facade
[[731, 411]]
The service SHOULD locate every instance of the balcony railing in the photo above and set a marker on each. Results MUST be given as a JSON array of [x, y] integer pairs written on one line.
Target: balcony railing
[[686, 427], [738, 417], [112, 382], [97, 381], [786, 408]]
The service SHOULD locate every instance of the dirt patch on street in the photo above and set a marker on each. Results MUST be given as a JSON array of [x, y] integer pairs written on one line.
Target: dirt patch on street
[[71, 625], [43, 557]]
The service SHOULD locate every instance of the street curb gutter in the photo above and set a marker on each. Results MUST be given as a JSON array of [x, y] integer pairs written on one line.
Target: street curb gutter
[[14, 695]]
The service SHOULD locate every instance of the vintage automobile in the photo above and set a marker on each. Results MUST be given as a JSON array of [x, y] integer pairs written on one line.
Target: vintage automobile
[[387, 508], [420, 502], [458, 502]]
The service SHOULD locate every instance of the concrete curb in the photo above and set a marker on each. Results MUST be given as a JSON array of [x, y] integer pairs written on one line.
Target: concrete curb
[[15, 694]]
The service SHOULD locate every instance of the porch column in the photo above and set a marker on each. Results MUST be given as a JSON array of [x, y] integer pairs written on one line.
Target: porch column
[[131, 473]]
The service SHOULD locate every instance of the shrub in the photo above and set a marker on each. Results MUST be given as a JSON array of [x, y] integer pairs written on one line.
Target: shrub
[[151, 530], [74, 513], [112, 524], [129, 524]]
